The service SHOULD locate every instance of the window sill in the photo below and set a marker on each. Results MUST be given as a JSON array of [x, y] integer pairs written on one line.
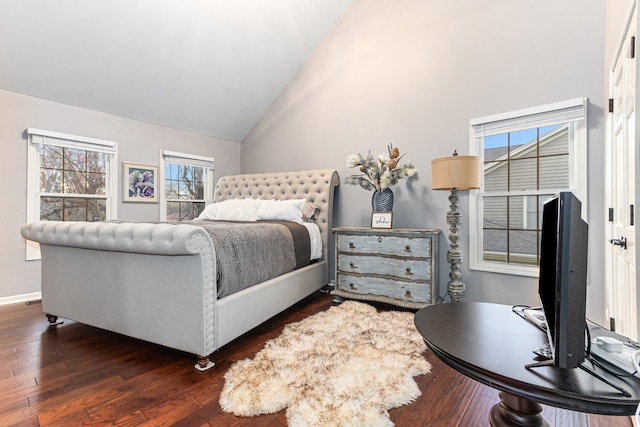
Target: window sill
[[516, 270]]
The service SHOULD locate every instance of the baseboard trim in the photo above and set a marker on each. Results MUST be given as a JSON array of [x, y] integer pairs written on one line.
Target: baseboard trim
[[21, 298]]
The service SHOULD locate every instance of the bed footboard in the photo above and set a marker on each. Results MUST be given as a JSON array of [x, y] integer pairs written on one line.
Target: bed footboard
[[154, 282]]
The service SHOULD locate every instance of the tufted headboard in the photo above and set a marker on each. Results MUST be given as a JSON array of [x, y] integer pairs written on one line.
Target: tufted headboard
[[317, 186]]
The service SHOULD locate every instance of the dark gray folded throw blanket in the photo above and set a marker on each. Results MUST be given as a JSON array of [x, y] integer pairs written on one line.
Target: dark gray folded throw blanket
[[248, 253]]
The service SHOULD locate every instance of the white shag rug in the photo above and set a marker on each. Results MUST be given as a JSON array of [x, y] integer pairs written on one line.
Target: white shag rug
[[346, 366]]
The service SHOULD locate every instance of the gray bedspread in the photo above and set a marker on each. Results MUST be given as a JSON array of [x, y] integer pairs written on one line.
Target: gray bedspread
[[248, 253]]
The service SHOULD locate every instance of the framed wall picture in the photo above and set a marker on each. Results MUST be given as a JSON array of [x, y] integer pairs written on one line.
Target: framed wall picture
[[139, 183], [381, 219]]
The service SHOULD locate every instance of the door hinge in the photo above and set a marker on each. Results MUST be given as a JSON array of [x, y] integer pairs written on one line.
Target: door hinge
[[632, 47], [612, 324], [610, 214], [611, 105]]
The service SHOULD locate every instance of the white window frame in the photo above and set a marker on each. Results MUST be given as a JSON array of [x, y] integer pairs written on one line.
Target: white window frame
[[525, 210], [184, 159], [36, 139], [573, 111]]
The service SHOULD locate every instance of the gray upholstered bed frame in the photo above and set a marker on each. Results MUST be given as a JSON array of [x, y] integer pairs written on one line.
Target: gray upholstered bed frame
[[156, 282]]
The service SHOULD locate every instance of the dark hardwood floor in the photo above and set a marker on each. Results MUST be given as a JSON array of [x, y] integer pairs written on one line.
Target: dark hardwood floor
[[78, 375]]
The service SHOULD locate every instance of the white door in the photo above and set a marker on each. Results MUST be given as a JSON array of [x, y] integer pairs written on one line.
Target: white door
[[621, 283]]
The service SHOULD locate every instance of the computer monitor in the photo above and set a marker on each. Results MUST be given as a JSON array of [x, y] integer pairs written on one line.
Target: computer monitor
[[563, 278]]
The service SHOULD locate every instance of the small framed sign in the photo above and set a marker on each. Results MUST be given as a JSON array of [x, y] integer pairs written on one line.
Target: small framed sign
[[381, 219]]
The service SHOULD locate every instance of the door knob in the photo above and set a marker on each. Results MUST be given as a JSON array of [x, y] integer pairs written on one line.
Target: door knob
[[622, 241]]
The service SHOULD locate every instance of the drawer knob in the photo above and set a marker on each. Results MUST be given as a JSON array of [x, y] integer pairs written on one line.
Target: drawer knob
[[407, 248], [408, 271], [353, 287], [408, 294], [379, 239], [352, 265], [351, 245]]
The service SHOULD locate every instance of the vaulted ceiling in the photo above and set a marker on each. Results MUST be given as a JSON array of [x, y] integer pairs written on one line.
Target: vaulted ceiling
[[207, 66]]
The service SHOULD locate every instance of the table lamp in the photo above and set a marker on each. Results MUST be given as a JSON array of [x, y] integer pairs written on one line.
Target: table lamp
[[455, 173]]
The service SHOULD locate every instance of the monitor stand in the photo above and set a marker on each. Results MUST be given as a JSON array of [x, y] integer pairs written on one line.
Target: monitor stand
[[584, 368]]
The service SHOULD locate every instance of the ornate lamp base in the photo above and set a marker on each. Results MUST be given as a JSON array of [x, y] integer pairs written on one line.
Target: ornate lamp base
[[455, 288]]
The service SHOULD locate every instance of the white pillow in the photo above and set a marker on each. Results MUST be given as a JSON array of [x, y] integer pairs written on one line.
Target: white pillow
[[232, 210], [286, 210]]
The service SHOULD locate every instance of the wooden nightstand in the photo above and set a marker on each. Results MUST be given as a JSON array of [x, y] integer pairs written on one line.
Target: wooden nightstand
[[395, 266]]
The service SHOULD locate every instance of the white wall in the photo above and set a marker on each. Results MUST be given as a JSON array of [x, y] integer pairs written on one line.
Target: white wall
[[414, 72], [138, 142]]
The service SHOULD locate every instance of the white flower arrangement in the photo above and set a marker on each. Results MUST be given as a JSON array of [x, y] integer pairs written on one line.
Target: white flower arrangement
[[378, 173]]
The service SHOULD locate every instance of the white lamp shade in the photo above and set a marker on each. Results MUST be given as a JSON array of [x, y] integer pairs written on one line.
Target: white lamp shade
[[455, 172]]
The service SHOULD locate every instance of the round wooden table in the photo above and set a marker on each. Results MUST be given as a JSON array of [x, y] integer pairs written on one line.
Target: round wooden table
[[493, 345]]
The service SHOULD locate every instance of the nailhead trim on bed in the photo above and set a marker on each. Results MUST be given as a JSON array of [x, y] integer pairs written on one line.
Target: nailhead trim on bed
[[201, 242]]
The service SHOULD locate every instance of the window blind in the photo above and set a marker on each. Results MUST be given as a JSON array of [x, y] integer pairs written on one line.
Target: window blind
[[187, 159], [44, 137], [546, 115]]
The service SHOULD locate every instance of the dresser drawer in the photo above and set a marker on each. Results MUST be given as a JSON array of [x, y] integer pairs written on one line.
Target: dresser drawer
[[403, 268], [384, 244], [396, 289]]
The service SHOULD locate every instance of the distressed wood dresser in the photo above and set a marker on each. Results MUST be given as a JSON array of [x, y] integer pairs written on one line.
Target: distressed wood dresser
[[394, 266]]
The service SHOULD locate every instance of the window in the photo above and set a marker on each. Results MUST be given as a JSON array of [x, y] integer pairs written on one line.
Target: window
[[70, 178], [528, 156], [187, 185]]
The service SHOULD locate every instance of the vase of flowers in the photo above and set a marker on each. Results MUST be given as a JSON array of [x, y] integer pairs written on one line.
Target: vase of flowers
[[378, 174]]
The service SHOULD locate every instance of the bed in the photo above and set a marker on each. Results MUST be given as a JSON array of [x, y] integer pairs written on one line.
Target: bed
[[157, 281]]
